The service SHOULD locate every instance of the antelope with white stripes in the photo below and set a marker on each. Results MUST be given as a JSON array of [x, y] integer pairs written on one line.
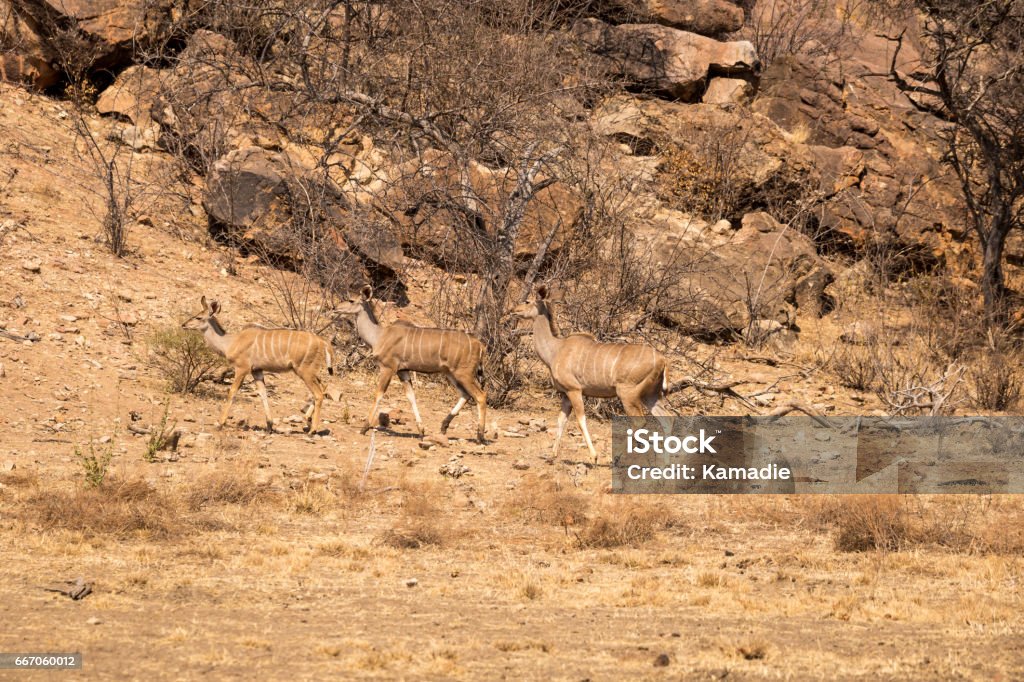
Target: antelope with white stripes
[[581, 365], [403, 348], [256, 350]]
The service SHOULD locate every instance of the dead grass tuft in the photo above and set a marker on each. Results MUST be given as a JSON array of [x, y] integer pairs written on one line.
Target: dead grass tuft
[[548, 500], [115, 508], [959, 524], [625, 524], [418, 526], [225, 487]]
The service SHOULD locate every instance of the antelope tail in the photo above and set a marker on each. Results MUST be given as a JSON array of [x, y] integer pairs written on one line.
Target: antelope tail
[[329, 358], [664, 380]]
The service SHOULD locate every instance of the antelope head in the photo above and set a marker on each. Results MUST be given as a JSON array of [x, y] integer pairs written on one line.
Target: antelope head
[[201, 320], [355, 304], [539, 306]]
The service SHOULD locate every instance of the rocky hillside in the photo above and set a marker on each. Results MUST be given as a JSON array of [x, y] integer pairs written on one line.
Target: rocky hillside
[[641, 154]]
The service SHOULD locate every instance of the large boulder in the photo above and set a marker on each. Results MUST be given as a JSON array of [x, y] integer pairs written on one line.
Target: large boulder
[[259, 201], [427, 198], [764, 274], [707, 17], [665, 60], [25, 56], [111, 30]]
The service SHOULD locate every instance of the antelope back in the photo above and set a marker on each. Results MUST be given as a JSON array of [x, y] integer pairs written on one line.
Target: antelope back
[[603, 366], [277, 350], [428, 350]]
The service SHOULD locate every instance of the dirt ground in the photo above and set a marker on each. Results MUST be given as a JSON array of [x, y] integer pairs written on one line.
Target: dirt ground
[[253, 555]]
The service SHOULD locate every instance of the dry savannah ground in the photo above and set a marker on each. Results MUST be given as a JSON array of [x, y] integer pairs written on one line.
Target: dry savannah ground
[[250, 555]]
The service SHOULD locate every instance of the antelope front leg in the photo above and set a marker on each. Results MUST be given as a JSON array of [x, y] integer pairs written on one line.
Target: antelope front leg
[[406, 378], [563, 416], [382, 386], [257, 376], [576, 397], [239, 378]]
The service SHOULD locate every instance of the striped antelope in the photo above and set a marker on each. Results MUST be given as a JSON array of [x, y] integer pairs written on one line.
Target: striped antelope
[[256, 350], [404, 348], [582, 366]]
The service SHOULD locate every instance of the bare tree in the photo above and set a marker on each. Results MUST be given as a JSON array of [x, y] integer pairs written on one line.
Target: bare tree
[[971, 75]]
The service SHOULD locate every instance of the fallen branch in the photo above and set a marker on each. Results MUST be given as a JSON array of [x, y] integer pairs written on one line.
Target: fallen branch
[[727, 390], [783, 410]]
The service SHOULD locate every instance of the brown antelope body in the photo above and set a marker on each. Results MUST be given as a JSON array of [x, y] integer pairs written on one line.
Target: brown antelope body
[[582, 366], [256, 350], [403, 348]]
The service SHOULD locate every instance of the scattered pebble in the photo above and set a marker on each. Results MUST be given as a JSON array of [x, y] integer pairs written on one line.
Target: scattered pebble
[[521, 465], [661, 661], [94, 621], [32, 266], [412, 582]]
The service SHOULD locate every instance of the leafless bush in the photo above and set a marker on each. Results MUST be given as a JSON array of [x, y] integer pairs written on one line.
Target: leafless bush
[[810, 28], [994, 376]]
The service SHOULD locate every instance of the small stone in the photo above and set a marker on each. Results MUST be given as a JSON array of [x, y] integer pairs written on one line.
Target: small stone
[[662, 661], [729, 552], [80, 340], [425, 445], [94, 621], [32, 266], [317, 476], [521, 465], [125, 296], [68, 318], [8, 465], [3, 372], [412, 582]]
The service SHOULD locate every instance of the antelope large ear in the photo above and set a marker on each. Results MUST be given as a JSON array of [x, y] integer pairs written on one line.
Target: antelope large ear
[[214, 307], [203, 301], [542, 293], [367, 292]]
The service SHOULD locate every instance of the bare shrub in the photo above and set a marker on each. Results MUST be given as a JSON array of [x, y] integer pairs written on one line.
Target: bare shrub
[[854, 366], [810, 28], [183, 358], [994, 376]]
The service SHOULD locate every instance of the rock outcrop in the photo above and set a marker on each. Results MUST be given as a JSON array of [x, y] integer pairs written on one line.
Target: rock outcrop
[[707, 17], [665, 60]]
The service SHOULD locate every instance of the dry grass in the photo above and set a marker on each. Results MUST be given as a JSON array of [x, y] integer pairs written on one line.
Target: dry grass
[[548, 500], [962, 525], [626, 523], [118, 508], [421, 522], [225, 487]]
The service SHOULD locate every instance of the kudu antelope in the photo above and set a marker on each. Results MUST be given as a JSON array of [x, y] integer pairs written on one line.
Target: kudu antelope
[[403, 348], [581, 366], [256, 350]]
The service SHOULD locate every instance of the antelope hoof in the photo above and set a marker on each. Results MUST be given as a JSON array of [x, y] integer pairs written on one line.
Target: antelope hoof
[[270, 427], [362, 431], [422, 431]]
